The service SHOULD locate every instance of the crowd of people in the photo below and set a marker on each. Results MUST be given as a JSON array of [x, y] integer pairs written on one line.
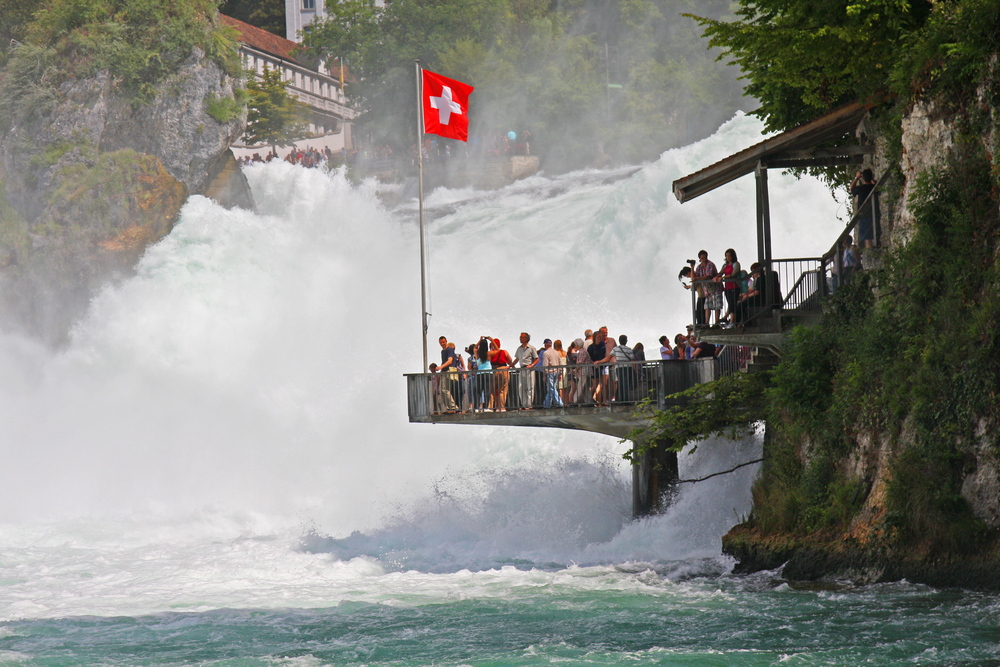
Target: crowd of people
[[592, 370], [434, 150], [307, 157]]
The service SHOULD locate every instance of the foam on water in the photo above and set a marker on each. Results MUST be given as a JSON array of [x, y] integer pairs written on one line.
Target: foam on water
[[244, 390]]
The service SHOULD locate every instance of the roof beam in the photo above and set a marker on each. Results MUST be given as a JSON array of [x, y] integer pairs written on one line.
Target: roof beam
[[814, 162], [842, 151], [805, 137]]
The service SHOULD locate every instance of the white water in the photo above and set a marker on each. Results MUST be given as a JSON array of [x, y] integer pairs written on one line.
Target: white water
[[244, 390]]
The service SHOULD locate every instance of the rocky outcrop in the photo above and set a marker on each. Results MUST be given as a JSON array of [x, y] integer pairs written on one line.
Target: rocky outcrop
[[98, 178], [927, 140]]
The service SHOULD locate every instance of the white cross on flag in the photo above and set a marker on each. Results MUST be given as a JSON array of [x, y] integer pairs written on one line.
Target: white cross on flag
[[446, 106]]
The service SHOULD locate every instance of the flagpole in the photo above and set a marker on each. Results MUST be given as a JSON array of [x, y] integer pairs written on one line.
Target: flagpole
[[420, 162]]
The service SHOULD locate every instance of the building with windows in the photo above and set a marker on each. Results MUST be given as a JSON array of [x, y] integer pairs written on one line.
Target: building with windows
[[320, 90], [300, 13]]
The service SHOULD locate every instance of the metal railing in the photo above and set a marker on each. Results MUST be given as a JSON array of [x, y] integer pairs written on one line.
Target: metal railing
[[804, 290], [580, 385]]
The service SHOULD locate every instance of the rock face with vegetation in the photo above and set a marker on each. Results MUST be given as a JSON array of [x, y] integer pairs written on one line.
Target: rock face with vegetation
[[883, 421], [108, 123]]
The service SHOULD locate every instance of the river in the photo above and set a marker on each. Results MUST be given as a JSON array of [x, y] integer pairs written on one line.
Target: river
[[218, 469]]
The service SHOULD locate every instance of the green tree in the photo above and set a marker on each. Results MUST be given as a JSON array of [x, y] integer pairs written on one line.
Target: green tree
[[265, 14], [14, 18], [538, 65], [274, 117], [804, 57]]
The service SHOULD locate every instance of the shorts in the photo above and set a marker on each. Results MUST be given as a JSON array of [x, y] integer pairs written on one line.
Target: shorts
[[714, 301], [865, 231]]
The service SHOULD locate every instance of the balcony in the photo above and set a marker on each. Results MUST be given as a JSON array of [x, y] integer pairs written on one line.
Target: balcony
[[517, 397]]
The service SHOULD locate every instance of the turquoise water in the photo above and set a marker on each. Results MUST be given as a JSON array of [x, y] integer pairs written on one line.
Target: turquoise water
[[218, 468], [639, 619]]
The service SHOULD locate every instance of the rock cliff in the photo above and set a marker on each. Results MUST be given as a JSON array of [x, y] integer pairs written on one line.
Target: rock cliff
[[94, 177], [909, 488]]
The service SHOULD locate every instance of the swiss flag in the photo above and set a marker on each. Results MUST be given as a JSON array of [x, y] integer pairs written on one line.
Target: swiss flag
[[446, 106]]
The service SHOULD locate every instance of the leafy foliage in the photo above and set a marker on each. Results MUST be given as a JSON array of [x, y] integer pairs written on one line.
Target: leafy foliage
[[139, 42], [923, 360], [539, 66], [15, 15], [731, 406], [274, 117], [265, 14], [802, 58]]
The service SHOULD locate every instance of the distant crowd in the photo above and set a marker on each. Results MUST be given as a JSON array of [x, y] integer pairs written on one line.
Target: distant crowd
[[434, 151], [593, 370]]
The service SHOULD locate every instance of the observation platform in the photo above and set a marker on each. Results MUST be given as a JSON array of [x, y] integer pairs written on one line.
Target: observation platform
[[786, 293], [475, 398]]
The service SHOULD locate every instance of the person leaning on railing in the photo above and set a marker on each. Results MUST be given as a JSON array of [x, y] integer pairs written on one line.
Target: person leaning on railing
[[753, 297]]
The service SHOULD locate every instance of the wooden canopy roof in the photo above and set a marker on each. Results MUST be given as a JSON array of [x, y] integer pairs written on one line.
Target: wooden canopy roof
[[795, 148]]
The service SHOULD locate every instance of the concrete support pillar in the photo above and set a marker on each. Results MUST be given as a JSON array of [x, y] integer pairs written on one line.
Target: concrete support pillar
[[654, 480]]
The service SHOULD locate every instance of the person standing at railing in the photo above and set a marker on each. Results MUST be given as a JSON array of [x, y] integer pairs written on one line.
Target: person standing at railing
[[471, 366], [862, 186], [730, 288], [551, 361], [682, 349], [501, 361], [623, 369], [849, 260], [525, 357], [449, 373], [484, 374], [572, 372], [599, 355], [439, 390], [666, 352], [709, 295], [538, 380], [564, 373], [460, 378]]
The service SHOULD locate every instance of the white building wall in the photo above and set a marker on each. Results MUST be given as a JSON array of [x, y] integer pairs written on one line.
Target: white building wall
[[300, 13]]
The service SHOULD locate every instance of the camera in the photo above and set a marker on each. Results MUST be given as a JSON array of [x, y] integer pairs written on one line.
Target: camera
[[691, 262]]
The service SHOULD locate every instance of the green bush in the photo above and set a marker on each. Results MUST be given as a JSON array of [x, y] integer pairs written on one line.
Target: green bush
[[140, 42]]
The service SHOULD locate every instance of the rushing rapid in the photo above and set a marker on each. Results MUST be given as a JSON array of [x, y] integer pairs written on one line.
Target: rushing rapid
[[218, 468]]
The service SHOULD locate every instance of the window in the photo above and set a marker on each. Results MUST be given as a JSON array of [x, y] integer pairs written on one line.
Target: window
[[309, 5]]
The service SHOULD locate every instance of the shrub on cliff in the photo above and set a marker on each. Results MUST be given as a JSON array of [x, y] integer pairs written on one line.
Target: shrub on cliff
[[918, 369], [139, 42]]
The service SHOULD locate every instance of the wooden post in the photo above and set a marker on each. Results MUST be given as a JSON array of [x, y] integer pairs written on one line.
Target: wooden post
[[764, 235], [760, 213]]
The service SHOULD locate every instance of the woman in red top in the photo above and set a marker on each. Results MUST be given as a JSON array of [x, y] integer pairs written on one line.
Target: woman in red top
[[501, 361], [730, 288]]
